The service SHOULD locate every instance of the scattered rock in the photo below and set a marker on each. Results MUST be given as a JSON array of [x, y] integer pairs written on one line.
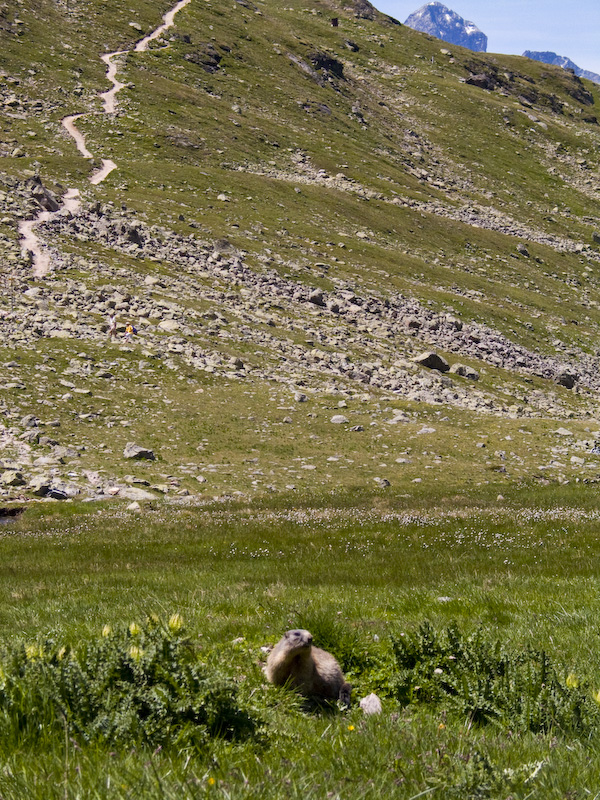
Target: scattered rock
[[371, 704], [169, 325], [132, 493], [566, 379], [563, 432], [482, 81], [136, 451], [317, 297], [464, 371], [432, 360], [12, 477], [39, 486], [54, 493]]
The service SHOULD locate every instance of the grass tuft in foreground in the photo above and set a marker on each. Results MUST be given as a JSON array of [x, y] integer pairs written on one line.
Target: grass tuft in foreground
[[478, 676], [139, 685]]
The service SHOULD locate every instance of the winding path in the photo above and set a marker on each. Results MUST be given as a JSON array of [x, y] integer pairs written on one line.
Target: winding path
[[71, 200]]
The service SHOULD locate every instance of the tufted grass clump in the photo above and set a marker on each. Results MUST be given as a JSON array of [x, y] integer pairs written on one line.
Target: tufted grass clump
[[483, 679], [340, 638], [141, 685]]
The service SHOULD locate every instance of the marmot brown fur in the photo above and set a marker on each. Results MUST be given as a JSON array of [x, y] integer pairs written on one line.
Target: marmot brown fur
[[314, 672]]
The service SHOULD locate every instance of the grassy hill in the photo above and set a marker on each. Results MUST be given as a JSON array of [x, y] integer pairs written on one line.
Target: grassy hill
[[364, 270], [317, 205]]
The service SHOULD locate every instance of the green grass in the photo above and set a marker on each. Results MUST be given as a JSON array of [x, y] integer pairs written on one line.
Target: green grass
[[357, 575], [487, 525], [178, 149]]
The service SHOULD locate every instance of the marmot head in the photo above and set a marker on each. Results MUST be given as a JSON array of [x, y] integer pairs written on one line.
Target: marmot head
[[298, 640]]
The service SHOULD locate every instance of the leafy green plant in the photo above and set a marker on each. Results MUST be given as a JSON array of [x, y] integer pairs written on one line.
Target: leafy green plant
[[478, 778], [139, 685], [487, 682], [338, 637]]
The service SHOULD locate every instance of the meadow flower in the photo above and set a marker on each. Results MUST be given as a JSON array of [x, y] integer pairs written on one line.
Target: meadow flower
[[106, 631], [32, 651], [350, 727], [61, 653], [175, 623], [134, 629], [572, 681], [211, 781], [596, 697], [136, 652]]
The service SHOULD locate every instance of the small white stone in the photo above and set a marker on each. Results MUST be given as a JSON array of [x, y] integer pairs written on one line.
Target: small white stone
[[371, 704]]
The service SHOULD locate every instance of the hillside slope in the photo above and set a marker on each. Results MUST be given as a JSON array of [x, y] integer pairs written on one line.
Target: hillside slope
[[299, 210]]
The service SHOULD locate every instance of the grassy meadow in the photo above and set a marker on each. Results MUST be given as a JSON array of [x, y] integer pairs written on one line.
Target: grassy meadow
[[516, 582], [446, 551]]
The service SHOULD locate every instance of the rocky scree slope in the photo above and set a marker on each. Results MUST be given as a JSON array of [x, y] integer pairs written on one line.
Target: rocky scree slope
[[301, 222]]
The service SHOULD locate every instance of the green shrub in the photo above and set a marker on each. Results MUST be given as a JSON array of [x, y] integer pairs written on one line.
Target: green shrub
[[339, 638], [140, 685], [482, 679]]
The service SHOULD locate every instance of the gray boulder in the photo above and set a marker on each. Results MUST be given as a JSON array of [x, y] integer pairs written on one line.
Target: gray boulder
[[56, 493], [566, 379], [371, 704], [44, 197], [432, 360], [464, 371], [136, 451], [135, 494], [39, 486], [317, 297], [12, 477]]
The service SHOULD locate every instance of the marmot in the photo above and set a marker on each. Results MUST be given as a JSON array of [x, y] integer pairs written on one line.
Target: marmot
[[314, 672]]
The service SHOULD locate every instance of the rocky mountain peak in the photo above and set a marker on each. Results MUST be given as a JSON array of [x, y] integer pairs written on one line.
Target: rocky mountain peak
[[439, 21], [548, 57]]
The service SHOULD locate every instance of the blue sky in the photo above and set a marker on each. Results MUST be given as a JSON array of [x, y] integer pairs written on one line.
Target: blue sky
[[512, 26]]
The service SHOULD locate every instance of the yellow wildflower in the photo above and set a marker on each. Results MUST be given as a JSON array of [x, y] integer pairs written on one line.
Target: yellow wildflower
[[572, 681], [32, 651], [175, 623], [350, 727], [134, 629], [106, 631], [135, 652], [596, 697]]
